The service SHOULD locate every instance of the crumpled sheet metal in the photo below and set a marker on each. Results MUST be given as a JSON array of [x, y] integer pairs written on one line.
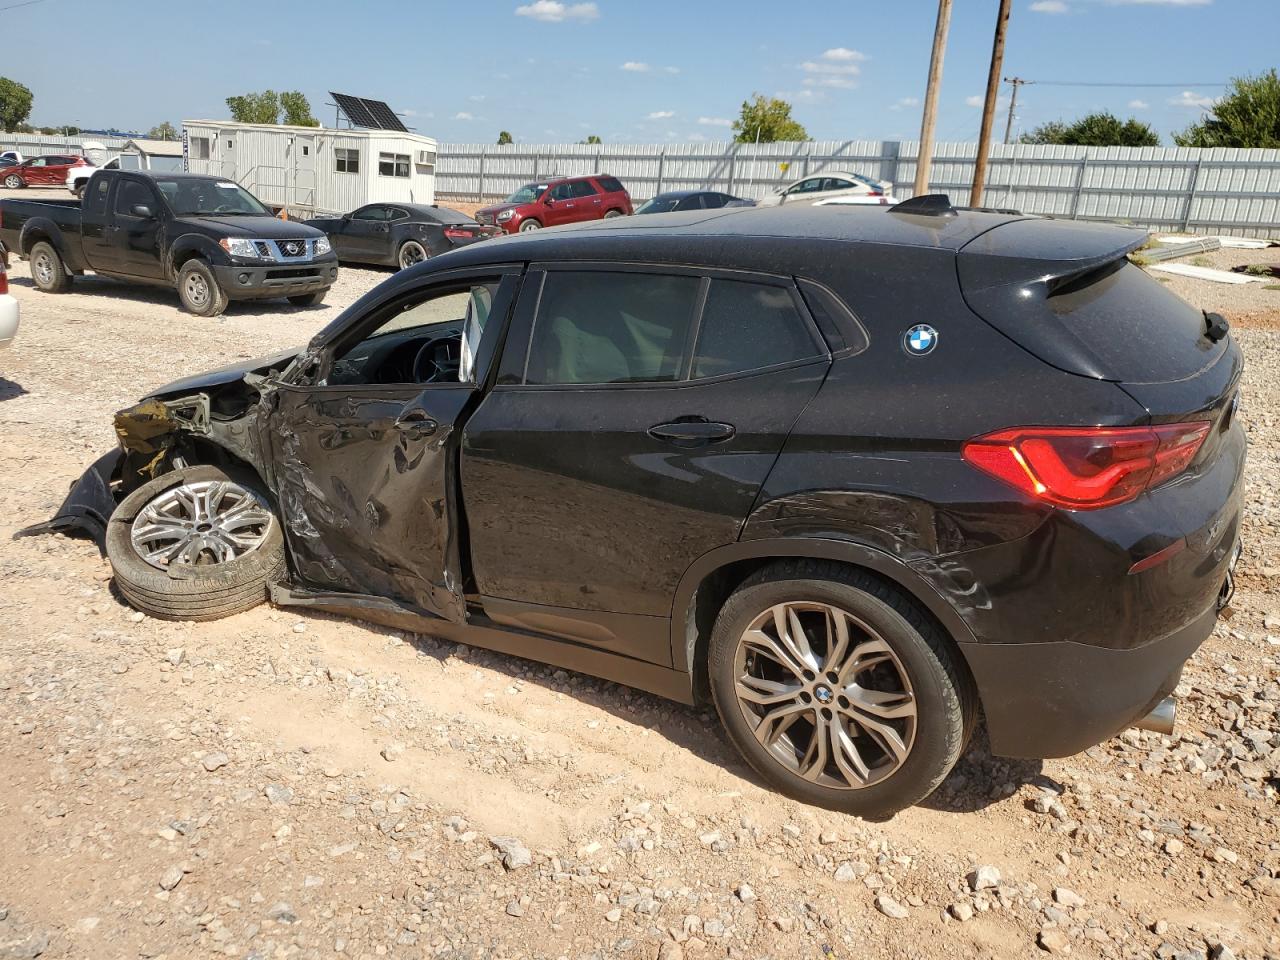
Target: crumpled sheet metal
[[88, 506]]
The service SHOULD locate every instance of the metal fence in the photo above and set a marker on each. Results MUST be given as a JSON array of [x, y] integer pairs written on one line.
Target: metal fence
[[1196, 190], [34, 144]]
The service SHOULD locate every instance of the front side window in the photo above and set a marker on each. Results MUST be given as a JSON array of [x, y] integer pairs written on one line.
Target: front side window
[[812, 185], [346, 160], [393, 165], [562, 191], [132, 193], [601, 327], [747, 326], [378, 213]]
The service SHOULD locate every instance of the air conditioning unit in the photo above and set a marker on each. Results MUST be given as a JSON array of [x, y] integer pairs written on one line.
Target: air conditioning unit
[[427, 158]]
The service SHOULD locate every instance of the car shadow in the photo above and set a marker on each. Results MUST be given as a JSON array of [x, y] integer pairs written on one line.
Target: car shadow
[[9, 389], [980, 779]]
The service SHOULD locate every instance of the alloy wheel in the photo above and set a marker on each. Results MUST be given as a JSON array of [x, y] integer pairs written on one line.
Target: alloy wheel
[[825, 695], [411, 253], [209, 521], [13, 182]]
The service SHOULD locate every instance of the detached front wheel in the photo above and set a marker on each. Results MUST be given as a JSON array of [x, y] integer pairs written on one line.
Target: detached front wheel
[[195, 544]]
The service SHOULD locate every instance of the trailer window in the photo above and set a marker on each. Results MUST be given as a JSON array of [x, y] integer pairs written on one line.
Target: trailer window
[[346, 160], [199, 148], [393, 164]]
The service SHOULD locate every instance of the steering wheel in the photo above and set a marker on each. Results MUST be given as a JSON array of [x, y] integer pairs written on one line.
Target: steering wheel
[[437, 362], [224, 208]]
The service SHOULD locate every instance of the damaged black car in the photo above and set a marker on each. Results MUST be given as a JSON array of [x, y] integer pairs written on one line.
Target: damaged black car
[[855, 476]]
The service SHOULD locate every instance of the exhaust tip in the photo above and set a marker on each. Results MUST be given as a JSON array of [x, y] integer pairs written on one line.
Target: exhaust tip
[[1161, 718]]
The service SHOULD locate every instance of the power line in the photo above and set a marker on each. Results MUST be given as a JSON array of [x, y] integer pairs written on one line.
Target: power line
[[25, 3], [1081, 83]]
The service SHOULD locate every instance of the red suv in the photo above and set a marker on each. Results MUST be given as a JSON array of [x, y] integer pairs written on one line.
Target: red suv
[[51, 170], [549, 203]]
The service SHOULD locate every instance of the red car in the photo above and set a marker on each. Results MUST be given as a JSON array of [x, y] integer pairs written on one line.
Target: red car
[[41, 171], [549, 203]]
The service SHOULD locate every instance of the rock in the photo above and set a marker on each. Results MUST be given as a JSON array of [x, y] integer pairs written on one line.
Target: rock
[[714, 928], [1053, 940], [170, 878], [891, 908], [176, 656], [282, 912], [1221, 952], [215, 761], [278, 795], [670, 950], [299, 627], [25, 948], [614, 915], [392, 751], [1267, 886], [984, 878], [845, 872], [1067, 898], [514, 909], [791, 831], [514, 853], [962, 910], [1173, 846], [745, 893]]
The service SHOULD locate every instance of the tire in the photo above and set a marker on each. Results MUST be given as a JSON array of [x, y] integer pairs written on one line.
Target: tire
[[527, 225], [194, 591], [14, 182], [78, 190], [199, 291], [48, 272], [610, 214], [309, 299], [410, 254], [920, 671]]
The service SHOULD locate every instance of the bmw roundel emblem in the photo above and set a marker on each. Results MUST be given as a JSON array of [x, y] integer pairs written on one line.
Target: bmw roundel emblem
[[920, 339]]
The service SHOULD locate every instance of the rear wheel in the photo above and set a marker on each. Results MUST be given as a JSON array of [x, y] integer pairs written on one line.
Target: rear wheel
[[410, 254], [195, 544], [837, 689], [199, 291], [47, 269], [13, 181], [78, 190], [309, 299], [528, 225], [612, 213]]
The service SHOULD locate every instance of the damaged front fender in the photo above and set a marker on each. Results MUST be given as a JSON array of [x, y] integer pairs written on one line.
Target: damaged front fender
[[149, 430], [88, 506]]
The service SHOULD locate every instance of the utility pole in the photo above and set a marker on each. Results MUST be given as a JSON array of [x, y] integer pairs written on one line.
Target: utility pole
[[1014, 83], [925, 159], [989, 108]]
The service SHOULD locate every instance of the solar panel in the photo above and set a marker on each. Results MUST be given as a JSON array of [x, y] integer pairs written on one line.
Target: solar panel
[[371, 114]]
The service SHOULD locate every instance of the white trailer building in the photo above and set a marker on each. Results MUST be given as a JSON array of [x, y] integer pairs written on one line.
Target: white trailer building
[[313, 170]]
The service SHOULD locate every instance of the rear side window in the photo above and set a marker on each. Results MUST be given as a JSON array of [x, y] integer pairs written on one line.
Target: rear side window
[[601, 327], [609, 184], [583, 188], [746, 326]]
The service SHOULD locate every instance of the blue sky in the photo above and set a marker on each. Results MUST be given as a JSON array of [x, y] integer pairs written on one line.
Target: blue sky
[[628, 70]]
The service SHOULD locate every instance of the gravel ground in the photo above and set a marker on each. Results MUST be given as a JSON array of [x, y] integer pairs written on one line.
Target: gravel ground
[[280, 786]]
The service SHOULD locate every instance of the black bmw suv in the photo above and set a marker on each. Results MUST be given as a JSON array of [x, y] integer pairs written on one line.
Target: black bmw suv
[[857, 475]]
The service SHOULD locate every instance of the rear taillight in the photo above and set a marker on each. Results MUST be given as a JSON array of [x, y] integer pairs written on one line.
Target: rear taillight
[[1085, 468], [459, 233], [4, 280], [876, 193]]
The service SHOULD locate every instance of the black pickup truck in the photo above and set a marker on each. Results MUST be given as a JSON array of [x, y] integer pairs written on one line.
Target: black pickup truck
[[207, 236]]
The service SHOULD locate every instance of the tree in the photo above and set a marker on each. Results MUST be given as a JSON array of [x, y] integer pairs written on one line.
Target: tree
[[1248, 115], [594, 138], [297, 109], [69, 131], [1095, 130], [255, 107], [15, 104], [163, 131], [504, 138], [767, 120]]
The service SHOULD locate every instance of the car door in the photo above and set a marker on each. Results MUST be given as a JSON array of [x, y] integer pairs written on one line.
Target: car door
[[35, 171], [96, 237], [637, 412], [134, 236], [833, 187], [560, 205], [588, 203], [365, 236], [363, 453]]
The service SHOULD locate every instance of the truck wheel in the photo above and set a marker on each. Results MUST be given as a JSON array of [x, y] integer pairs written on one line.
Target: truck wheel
[[309, 299], [195, 544], [199, 291], [838, 689], [78, 190], [47, 269], [13, 181]]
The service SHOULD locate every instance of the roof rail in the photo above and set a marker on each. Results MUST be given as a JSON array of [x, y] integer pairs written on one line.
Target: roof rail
[[926, 205]]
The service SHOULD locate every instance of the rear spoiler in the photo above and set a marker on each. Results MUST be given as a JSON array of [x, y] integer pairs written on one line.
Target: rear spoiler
[[1039, 255]]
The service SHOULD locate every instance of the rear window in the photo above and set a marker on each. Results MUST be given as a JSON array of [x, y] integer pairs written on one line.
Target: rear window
[[610, 184], [445, 215], [747, 326]]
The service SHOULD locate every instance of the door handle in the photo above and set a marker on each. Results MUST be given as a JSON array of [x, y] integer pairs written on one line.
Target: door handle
[[692, 432], [415, 425]]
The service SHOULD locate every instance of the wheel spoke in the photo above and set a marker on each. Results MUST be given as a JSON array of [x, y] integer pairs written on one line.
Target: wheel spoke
[[761, 642], [814, 762], [764, 692], [847, 758], [864, 656], [885, 704], [777, 721], [837, 639], [792, 636]]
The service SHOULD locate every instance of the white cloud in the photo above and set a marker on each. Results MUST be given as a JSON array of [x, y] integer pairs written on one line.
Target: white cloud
[[697, 136], [1049, 6], [636, 66], [843, 54], [1139, 105], [827, 74], [661, 114], [553, 11], [715, 121], [477, 98], [463, 115], [904, 102], [807, 95], [1188, 98], [670, 69], [974, 101]]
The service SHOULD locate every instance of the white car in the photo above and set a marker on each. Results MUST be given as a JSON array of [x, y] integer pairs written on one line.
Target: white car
[[858, 200], [10, 158], [8, 307], [829, 183]]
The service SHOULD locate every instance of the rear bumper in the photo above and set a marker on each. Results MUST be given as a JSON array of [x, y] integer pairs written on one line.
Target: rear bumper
[[8, 319], [278, 280], [1057, 699]]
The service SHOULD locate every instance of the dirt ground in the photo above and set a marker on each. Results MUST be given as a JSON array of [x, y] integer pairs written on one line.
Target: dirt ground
[[278, 785]]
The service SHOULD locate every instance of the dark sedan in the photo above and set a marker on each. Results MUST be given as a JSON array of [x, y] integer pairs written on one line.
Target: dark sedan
[[692, 200], [399, 234]]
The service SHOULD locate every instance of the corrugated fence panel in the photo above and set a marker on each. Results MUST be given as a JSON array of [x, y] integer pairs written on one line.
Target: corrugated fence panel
[[1206, 191]]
